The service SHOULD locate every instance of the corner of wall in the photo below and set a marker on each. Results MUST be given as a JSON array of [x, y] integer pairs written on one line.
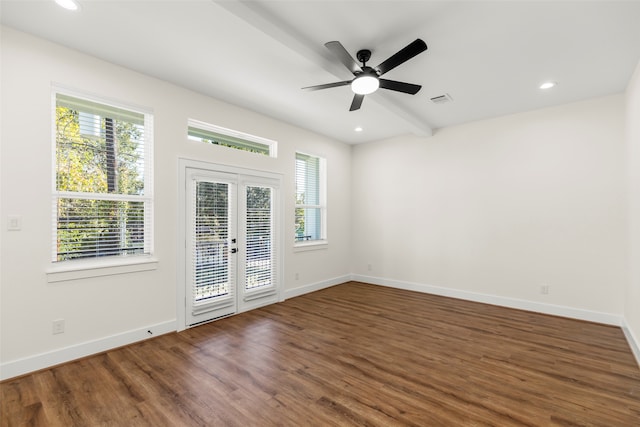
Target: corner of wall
[[631, 315], [633, 341]]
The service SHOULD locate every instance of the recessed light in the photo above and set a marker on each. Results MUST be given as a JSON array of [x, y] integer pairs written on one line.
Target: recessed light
[[359, 129], [68, 4], [547, 85]]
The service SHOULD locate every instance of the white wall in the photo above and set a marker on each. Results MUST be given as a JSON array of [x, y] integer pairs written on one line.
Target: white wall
[[492, 210], [107, 311], [488, 210], [632, 301]]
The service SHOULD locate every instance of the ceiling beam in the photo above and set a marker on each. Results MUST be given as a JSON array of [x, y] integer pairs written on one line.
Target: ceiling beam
[[255, 15]]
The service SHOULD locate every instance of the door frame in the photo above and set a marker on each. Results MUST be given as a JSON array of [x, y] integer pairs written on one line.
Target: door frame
[[183, 165]]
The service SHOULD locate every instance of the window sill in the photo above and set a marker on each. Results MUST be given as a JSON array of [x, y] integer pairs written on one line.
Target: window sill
[[83, 269], [314, 245]]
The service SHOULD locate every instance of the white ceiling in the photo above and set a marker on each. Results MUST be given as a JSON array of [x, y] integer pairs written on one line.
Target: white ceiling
[[489, 56]]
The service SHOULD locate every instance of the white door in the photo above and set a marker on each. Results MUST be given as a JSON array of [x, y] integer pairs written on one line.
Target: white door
[[231, 251]]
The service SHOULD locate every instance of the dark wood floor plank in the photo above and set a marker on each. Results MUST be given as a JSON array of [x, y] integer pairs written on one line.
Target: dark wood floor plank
[[354, 354]]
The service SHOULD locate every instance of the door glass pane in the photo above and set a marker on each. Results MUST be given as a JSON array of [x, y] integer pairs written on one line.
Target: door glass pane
[[211, 257], [259, 237]]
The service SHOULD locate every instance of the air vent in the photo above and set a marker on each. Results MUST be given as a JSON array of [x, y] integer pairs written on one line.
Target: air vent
[[442, 99]]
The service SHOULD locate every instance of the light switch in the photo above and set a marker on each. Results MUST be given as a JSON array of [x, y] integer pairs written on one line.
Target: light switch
[[14, 223]]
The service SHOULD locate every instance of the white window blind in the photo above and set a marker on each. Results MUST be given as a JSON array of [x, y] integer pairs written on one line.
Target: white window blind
[[260, 238], [213, 269], [212, 134], [310, 198], [102, 200]]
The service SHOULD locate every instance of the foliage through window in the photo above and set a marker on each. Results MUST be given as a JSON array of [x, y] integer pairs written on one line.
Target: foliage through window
[[211, 134], [102, 199], [310, 216]]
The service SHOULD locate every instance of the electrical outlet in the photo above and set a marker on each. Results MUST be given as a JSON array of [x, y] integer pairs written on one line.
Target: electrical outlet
[[544, 289], [369, 267], [58, 326], [297, 276]]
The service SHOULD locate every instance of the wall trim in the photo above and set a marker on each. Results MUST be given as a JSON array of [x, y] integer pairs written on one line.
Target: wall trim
[[305, 289], [15, 368], [538, 307], [49, 359], [40, 361], [633, 341]]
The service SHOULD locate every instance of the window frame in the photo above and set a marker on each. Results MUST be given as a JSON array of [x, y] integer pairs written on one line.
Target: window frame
[[71, 269], [322, 242], [251, 140]]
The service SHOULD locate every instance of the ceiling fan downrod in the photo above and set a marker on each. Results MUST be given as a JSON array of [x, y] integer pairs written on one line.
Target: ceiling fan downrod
[[363, 56]]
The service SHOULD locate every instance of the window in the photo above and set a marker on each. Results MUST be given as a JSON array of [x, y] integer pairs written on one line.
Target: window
[[211, 134], [310, 218], [102, 200]]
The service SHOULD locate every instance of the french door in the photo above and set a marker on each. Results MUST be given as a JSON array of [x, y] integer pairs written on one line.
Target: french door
[[231, 243]]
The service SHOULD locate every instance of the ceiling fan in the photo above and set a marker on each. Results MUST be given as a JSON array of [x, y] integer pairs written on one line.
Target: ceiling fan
[[367, 79]]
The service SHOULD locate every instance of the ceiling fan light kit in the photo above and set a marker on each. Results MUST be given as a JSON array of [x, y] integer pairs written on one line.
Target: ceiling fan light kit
[[367, 79], [365, 84]]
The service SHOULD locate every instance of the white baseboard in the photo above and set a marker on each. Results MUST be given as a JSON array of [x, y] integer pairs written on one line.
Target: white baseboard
[[305, 289], [556, 310], [633, 341], [37, 362], [45, 360]]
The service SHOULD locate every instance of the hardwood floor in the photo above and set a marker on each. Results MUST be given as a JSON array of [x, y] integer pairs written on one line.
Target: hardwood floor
[[354, 354]]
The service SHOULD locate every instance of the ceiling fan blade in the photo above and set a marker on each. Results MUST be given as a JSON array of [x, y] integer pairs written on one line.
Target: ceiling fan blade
[[403, 55], [357, 102], [341, 53], [400, 86], [328, 85]]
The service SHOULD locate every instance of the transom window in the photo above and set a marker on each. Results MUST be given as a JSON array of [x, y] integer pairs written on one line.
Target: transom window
[[102, 199], [212, 134]]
